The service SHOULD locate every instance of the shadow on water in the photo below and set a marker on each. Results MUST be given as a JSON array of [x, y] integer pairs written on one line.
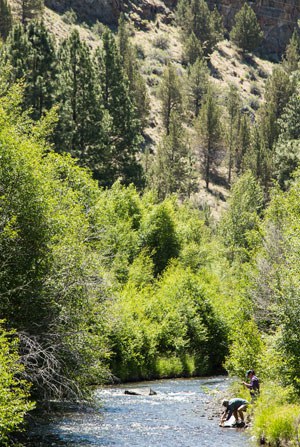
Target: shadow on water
[[183, 413]]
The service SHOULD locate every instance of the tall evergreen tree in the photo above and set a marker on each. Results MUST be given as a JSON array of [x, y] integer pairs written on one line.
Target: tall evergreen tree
[[31, 54], [5, 19], [125, 133], [246, 32], [243, 143], [173, 167], [192, 49], [292, 53], [278, 90], [31, 10], [195, 17], [209, 137], [242, 217], [259, 157], [82, 127], [137, 86], [198, 75], [287, 149], [233, 105], [16, 51], [170, 96]]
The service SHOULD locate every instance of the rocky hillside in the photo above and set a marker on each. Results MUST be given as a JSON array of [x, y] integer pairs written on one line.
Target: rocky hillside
[[277, 18]]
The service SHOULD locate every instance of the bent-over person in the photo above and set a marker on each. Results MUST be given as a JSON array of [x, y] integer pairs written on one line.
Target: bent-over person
[[235, 407]]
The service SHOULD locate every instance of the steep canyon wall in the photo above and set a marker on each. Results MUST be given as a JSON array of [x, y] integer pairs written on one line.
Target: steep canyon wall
[[278, 18]]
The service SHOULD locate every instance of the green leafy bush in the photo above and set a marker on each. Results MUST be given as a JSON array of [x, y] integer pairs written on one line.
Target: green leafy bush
[[14, 391], [276, 420]]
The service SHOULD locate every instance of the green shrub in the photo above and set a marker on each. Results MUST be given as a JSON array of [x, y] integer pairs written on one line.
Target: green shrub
[[14, 391], [161, 42], [254, 89], [245, 349], [169, 367], [277, 424], [70, 17]]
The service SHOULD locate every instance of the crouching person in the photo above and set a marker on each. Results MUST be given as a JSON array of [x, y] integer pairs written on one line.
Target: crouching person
[[235, 407]]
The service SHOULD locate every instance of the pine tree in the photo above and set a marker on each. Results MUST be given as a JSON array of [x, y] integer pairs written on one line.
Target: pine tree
[[209, 139], [197, 84], [246, 32], [137, 86], [200, 19], [292, 53], [279, 88], [173, 167], [83, 125], [233, 105], [5, 19], [123, 37], [170, 96], [192, 50], [125, 133], [195, 17], [32, 56], [16, 51], [31, 10], [257, 159], [217, 24], [243, 143]]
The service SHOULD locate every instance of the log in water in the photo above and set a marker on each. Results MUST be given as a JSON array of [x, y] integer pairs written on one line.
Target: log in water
[[181, 414]]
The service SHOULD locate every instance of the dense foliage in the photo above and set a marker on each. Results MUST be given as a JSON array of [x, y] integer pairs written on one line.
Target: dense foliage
[[111, 269]]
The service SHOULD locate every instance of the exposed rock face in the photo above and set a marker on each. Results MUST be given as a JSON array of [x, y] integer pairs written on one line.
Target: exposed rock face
[[106, 11], [278, 18]]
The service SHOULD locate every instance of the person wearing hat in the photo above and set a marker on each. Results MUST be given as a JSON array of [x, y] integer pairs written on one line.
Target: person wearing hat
[[253, 385], [235, 407]]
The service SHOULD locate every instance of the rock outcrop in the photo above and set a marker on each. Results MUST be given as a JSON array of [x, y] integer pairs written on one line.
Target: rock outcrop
[[278, 18], [106, 11]]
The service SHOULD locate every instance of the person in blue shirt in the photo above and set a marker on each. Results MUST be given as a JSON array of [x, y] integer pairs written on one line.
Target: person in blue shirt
[[253, 385], [235, 407]]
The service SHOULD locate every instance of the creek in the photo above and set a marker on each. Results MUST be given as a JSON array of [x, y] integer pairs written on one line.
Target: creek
[[183, 413]]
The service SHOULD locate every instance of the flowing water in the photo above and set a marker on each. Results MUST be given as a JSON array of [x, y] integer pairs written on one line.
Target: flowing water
[[183, 413]]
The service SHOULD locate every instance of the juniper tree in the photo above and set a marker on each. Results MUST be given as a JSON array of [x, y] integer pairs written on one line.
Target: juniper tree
[[246, 32], [125, 132], [5, 19]]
